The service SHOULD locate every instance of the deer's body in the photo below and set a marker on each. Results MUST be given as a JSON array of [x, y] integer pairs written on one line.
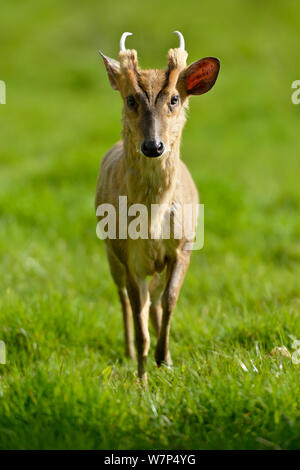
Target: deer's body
[[155, 126], [145, 185]]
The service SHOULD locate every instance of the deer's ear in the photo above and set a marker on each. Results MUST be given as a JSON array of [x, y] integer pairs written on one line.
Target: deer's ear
[[200, 76], [113, 70]]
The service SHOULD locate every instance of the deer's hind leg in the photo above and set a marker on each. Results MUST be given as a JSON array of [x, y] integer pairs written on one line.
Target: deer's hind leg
[[119, 276]]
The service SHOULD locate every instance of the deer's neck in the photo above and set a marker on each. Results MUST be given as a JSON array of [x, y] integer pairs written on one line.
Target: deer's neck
[[150, 180]]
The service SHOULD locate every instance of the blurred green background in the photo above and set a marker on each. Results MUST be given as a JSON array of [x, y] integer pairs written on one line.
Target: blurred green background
[[66, 383]]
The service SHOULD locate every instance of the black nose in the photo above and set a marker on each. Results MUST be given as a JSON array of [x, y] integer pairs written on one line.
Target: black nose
[[152, 148]]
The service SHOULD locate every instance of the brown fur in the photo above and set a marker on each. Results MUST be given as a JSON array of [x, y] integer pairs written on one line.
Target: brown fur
[[164, 180]]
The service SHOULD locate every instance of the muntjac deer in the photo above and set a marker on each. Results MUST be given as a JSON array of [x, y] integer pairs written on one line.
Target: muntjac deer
[[146, 168]]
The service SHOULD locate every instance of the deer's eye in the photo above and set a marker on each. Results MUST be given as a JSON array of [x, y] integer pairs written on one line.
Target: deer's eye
[[174, 100], [131, 101]]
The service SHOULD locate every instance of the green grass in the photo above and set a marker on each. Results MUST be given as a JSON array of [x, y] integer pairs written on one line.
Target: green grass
[[66, 383]]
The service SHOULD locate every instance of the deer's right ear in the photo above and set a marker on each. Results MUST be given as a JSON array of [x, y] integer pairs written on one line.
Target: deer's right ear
[[113, 70], [200, 77]]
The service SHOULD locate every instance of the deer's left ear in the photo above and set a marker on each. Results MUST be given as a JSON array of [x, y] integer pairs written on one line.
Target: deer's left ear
[[200, 76]]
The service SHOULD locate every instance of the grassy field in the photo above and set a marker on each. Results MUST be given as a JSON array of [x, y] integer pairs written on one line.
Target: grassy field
[[66, 383]]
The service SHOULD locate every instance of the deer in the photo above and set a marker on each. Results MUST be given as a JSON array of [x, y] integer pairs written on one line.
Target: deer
[[145, 166]]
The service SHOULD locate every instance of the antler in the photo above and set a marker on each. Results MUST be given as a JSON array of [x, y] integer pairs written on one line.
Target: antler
[[177, 57], [122, 41], [181, 40]]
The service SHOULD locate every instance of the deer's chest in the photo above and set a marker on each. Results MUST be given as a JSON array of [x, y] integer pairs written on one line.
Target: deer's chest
[[148, 254]]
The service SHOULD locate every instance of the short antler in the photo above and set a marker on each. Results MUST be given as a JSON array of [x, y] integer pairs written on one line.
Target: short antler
[[177, 57], [127, 57], [123, 39], [181, 40]]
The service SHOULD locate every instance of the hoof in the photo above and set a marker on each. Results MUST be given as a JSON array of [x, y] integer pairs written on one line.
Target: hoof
[[161, 360], [166, 364]]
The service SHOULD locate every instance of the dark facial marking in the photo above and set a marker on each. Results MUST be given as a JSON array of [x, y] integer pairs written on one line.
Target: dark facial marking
[[138, 78], [164, 85]]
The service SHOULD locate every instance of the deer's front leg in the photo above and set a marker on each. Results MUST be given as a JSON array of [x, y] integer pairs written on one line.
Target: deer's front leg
[[139, 299], [176, 273], [156, 288], [127, 318]]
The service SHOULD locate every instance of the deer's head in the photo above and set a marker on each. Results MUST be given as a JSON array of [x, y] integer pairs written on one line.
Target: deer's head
[[155, 100]]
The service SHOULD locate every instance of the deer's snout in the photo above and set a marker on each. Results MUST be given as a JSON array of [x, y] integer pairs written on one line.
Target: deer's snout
[[152, 148]]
